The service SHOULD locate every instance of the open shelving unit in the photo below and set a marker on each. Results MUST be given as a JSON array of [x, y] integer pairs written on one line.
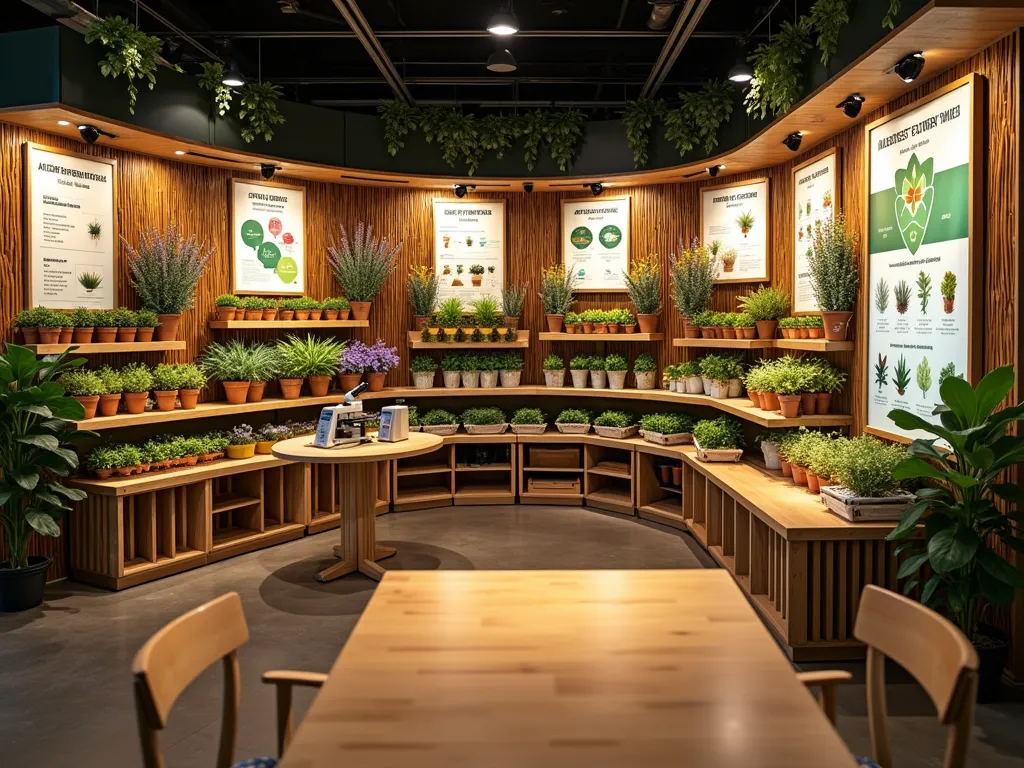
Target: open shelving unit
[[551, 469], [522, 342], [602, 337], [279, 325], [610, 469], [799, 345], [127, 347]]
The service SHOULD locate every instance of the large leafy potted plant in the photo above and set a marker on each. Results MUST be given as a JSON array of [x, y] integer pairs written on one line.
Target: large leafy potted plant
[[965, 572], [765, 306], [693, 281], [311, 358], [35, 453], [165, 270], [643, 281], [832, 264], [362, 267]]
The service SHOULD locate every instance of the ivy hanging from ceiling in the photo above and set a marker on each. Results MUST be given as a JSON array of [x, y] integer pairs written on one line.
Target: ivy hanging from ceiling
[[128, 51]]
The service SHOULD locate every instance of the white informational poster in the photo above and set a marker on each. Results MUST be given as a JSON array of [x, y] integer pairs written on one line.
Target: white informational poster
[[595, 242], [469, 249], [70, 203], [268, 238], [734, 224], [815, 198], [918, 290]]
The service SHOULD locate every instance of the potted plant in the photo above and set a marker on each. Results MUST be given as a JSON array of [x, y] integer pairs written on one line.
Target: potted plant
[[616, 367], [966, 572], [666, 428], [557, 294], [110, 397], [728, 258], [476, 272], [489, 365], [380, 359], [745, 221], [573, 322], [422, 287], [440, 422], [165, 270], [312, 358], [27, 321], [645, 370], [770, 440], [127, 323], [484, 421], [82, 322], [166, 382], [191, 380], [529, 421], [832, 268], [423, 367], [362, 267], [449, 316], [765, 306], [595, 319], [598, 378], [643, 282], [801, 452], [227, 304], [66, 326], [718, 439], [36, 444], [704, 324], [86, 387], [457, 282], [267, 435], [101, 461], [316, 309], [511, 367], [332, 307], [136, 381], [690, 377], [573, 421], [451, 366], [512, 298], [286, 309], [823, 462], [486, 311], [616, 424], [351, 365], [948, 290], [828, 381], [241, 442], [231, 364], [554, 371], [470, 367], [146, 324], [719, 370]]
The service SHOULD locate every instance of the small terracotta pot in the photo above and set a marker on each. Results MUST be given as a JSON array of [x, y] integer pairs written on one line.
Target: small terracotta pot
[[749, 333], [719, 332], [630, 328], [30, 335], [168, 328], [766, 328], [707, 332], [837, 325], [344, 313], [587, 327], [104, 335], [805, 333], [286, 314], [242, 451], [613, 327], [103, 474], [135, 402], [90, 403], [302, 314], [66, 335], [799, 475], [236, 391], [270, 314], [376, 380], [189, 398], [108, 404], [691, 331], [123, 471], [165, 399], [290, 388], [755, 397], [728, 332], [809, 403], [255, 393], [814, 333], [666, 473], [770, 401], [316, 314], [813, 482], [787, 468], [225, 313], [824, 402], [126, 335], [82, 335], [677, 475], [318, 385], [512, 322], [145, 334], [600, 327], [49, 335], [330, 314], [947, 306], [571, 328], [648, 323], [349, 381], [254, 314], [360, 310], [789, 405], [554, 323]]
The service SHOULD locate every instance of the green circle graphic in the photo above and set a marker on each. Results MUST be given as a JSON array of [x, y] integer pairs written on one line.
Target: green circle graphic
[[269, 254], [610, 236], [581, 237], [252, 233], [287, 269]]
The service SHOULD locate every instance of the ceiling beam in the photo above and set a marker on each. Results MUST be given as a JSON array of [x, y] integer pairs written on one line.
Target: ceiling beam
[[349, 10], [683, 30], [429, 34]]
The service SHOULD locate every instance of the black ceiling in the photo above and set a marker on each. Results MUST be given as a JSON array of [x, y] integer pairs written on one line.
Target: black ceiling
[[597, 73]]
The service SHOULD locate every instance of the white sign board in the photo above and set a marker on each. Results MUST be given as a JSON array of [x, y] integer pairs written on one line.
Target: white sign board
[[70, 204], [815, 198], [736, 216], [469, 249], [595, 242], [268, 238]]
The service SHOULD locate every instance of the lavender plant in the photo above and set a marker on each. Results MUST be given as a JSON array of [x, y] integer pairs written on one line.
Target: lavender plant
[[166, 268], [362, 266]]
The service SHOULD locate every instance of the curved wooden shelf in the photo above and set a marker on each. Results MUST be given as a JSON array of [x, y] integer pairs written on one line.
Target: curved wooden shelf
[[108, 349], [416, 342], [604, 337], [277, 325], [169, 478], [799, 345]]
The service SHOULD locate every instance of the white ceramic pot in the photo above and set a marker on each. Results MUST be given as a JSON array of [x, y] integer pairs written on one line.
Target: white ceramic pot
[[707, 385], [735, 387], [510, 378], [451, 379], [644, 379], [554, 378], [694, 385], [471, 379], [719, 390], [771, 455], [423, 379], [488, 379], [598, 379], [616, 379], [579, 379]]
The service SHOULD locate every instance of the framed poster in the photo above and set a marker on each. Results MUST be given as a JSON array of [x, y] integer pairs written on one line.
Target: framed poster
[[815, 198], [71, 229], [469, 249], [736, 217], [595, 242], [268, 238], [924, 253]]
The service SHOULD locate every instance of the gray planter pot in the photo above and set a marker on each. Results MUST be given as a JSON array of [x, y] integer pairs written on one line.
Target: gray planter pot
[[452, 379], [644, 379], [598, 379], [423, 379], [554, 378], [471, 379], [488, 379], [579, 379], [694, 385], [510, 378], [616, 379]]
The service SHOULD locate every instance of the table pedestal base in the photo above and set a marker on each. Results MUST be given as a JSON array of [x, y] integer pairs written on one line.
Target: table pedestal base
[[358, 550]]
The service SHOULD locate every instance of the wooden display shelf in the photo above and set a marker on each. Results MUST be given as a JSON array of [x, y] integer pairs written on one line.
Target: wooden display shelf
[[276, 325], [229, 501], [472, 493], [552, 499], [422, 469], [802, 345], [416, 342], [575, 470], [665, 511], [814, 345], [153, 481], [422, 494], [108, 349], [484, 467], [612, 468], [620, 499], [606, 337]]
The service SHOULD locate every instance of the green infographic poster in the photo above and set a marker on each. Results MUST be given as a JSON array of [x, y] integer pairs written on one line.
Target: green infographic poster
[[595, 242], [919, 253], [268, 240]]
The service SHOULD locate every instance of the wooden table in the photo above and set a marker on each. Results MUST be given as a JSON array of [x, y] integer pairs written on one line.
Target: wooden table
[[563, 668], [358, 550]]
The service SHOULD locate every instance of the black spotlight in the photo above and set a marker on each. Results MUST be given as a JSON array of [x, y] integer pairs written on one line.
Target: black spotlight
[[90, 133], [460, 190], [596, 188], [909, 67], [527, 186], [267, 170], [792, 141], [851, 105], [714, 169]]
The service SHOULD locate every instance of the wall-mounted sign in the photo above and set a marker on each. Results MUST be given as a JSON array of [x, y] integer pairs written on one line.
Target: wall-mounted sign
[[71, 233], [595, 242], [735, 217], [923, 261], [815, 198], [268, 238], [469, 249]]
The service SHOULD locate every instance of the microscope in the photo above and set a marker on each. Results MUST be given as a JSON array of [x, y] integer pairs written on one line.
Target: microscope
[[342, 426]]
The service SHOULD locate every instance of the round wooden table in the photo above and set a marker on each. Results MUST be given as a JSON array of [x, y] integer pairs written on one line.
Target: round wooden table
[[357, 481]]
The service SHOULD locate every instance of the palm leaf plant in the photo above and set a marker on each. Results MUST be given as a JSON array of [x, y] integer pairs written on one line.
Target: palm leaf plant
[[881, 371], [901, 379]]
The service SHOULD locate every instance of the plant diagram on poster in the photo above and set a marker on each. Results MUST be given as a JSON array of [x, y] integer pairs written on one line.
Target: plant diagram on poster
[[268, 238], [734, 225], [469, 249]]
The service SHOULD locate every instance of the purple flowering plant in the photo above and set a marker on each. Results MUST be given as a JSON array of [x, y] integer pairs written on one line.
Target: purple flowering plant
[[359, 358]]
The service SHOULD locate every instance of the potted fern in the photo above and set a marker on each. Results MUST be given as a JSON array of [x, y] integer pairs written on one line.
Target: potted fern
[[362, 267], [643, 281], [832, 264], [554, 371]]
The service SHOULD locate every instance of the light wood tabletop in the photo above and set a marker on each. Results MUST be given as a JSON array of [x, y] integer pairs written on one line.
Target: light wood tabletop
[[302, 449], [557, 668]]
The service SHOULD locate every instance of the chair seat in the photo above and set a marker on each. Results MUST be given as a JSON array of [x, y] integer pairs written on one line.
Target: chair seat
[[867, 762], [257, 762]]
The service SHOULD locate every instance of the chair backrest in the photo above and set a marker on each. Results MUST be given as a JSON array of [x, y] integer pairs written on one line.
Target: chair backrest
[[173, 657], [929, 647]]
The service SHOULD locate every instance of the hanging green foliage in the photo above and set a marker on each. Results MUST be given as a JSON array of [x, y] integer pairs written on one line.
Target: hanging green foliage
[[129, 52], [258, 110], [531, 127], [399, 119], [564, 132], [777, 72], [679, 130], [210, 80], [706, 109], [889, 20], [456, 135], [639, 117], [828, 17], [497, 132]]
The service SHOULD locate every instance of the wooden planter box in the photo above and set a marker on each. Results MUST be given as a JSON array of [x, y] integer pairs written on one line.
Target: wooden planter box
[[529, 429], [858, 509], [718, 454], [442, 429], [573, 429], [679, 438], [619, 433], [485, 429]]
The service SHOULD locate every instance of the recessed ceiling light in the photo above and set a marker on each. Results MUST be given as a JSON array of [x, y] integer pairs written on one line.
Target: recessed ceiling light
[[179, 151], [63, 122], [909, 67]]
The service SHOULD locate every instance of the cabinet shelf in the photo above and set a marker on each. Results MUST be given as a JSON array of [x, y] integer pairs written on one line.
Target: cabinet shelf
[[229, 501]]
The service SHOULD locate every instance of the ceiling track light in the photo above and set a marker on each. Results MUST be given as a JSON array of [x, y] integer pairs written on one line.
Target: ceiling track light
[[502, 61], [596, 188], [714, 169], [851, 105], [792, 142], [462, 189], [503, 23], [90, 133], [909, 67]]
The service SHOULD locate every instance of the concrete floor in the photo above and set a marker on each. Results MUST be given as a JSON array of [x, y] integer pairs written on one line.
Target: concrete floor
[[65, 687]]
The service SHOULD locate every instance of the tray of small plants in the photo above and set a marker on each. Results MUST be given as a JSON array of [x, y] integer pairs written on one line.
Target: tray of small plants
[[484, 421], [667, 428], [529, 421], [718, 439], [616, 424]]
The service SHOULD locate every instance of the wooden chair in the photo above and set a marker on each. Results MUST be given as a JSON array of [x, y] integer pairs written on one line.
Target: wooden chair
[[930, 648], [173, 657]]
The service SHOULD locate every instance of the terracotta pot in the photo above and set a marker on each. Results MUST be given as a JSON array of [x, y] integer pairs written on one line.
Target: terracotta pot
[[165, 399], [316, 314], [837, 325], [707, 332], [805, 333], [318, 385], [719, 332], [512, 322], [600, 327], [255, 393], [270, 314], [766, 328], [755, 397], [787, 468], [629, 328], [168, 328], [236, 391], [648, 323], [344, 313], [360, 310], [476, 280], [666, 473], [571, 328], [587, 327], [349, 381], [242, 451], [66, 335], [103, 474], [799, 475], [809, 403], [728, 332], [30, 335], [813, 482], [613, 327], [82, 335], [330, 314], [691, 332], [302, 314], [104, 335], [225, 313], [554, 323], [145, 333], [253, 314], [677, 475], [123, 471], [824, 402], [376, 380], [135, 402], [189, 398], [290, 388], [90, 403], [286, 314], [770, 401], [947, 306], [49, 335], [108, 404], [126, 335], [789, 405]]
